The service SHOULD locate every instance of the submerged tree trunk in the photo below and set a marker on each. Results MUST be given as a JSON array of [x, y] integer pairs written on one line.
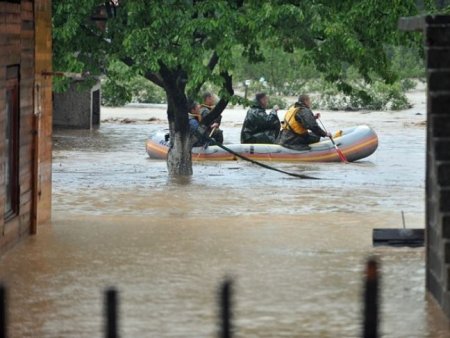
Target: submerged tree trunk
[[179, 159]]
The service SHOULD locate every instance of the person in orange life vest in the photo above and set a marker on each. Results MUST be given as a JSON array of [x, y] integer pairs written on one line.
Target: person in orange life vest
[[213, 129], [300, 127]]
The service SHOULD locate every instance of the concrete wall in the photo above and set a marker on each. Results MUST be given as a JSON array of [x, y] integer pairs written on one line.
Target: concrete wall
[[437, 43], [77, 107]]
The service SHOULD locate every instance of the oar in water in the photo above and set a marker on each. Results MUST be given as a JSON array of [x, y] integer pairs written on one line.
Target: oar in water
[[339, 152]]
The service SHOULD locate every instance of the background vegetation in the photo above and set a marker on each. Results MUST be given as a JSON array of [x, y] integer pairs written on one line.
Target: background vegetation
[[122, 86], [282, 74]]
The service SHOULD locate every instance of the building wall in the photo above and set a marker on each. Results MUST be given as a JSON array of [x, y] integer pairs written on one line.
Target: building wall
[[437, 43], [19, 46], [76, 107], [43, 158]]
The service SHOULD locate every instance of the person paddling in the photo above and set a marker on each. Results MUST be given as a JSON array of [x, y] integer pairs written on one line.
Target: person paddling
[[300, 126], [213, 130]]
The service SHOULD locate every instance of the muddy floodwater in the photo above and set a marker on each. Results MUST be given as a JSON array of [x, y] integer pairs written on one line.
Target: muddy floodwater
[[295, 248]]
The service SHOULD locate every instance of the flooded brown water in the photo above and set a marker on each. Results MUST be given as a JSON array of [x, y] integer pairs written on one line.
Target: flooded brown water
[[296, 248]]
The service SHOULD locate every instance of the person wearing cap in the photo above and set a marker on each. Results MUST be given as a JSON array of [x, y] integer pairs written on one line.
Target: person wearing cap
[[260, 127], [300, 127]]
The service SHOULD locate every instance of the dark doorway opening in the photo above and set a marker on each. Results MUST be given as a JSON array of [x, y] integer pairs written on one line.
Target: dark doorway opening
[[96, 108], [12, 142]]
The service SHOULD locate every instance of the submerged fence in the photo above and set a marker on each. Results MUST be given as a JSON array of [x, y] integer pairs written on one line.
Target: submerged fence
[[370, 322]]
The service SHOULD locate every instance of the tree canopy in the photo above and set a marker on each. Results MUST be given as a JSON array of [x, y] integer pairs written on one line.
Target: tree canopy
[[195, 36]]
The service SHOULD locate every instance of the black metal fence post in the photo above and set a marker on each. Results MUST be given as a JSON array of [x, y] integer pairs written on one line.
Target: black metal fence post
[[226, 327], [371, 300], [3, 330], [111, 313]]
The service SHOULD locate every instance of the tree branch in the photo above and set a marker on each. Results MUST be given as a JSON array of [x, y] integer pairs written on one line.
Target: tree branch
[[155, 78], [151, 76], [128, 61], [174, 86], [213, 61], [223, 102], [210, 66]]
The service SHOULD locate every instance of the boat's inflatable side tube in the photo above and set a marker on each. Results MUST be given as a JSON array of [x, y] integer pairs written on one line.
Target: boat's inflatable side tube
[[356, 143]]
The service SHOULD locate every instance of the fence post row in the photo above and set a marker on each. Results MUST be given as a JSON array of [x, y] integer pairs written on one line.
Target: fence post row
[[370, 298]]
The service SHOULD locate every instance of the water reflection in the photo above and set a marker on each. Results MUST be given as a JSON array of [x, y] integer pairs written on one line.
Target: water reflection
[[179, 181]]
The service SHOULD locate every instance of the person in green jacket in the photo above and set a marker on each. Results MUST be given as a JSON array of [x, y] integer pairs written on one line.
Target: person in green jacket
[[260, 127]]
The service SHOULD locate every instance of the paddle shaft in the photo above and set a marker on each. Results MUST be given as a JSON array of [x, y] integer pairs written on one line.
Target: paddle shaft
[[212, 131], [210, 135], [339, 152]]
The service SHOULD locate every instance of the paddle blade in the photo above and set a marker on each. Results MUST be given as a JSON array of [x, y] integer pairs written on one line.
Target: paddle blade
[[341, 154]]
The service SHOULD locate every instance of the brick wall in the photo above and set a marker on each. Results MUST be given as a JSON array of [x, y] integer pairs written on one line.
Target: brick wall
[[437, 43]]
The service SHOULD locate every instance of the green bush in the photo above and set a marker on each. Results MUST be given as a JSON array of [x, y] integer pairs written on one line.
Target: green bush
[[378, 96], [137, 89], [276, 100], [408, 84], [125, 86], [406, 62], [114, 94], [143, 91]]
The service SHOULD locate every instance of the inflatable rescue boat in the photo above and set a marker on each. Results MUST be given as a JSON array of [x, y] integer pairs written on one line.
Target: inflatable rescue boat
[[355, 143]]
